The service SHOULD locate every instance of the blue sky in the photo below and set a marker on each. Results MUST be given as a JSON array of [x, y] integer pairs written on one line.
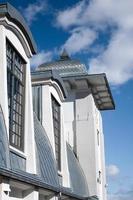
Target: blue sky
[[100, 34]]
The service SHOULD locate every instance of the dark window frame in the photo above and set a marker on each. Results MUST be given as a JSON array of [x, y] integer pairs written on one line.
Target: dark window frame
[[16, 95], [56, 113], [37, 100]]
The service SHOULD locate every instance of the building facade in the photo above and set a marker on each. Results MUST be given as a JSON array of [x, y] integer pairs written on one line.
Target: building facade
[[51, 137]]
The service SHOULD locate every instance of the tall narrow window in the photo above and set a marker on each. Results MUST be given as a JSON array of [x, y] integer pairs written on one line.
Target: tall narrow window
[[15, 83], [56, 125], [37, 101]]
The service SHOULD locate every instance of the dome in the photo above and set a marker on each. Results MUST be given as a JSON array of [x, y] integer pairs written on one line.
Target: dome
[[65, 66]]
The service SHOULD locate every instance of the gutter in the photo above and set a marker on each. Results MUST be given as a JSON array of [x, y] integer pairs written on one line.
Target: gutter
[[34, 180]]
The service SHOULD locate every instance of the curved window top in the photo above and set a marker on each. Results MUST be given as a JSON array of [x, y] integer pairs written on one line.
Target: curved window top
[[13, 15]]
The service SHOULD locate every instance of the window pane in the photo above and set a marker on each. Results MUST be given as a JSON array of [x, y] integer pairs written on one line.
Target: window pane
[[37, 101], [15, 82], [56, 126]]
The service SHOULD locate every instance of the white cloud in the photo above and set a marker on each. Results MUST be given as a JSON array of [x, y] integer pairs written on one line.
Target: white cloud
[[121, 195], [70, 16], [110, 11], [33, 10], [112, 170], [97, 11], [117, 60], [97, 16], [79, 40], [122, 187], [41, 58]]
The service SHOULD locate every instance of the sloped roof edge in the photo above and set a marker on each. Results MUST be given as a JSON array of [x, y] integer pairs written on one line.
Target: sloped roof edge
[[46, 165], [40, 75], [11, 13], [78, 180]]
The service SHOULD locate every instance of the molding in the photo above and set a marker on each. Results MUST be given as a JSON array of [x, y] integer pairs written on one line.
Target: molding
[[6, 10], [18, 33], [49, 77]]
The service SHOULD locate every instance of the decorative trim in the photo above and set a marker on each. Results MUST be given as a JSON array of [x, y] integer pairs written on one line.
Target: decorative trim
[[12, 28], [14, 16]]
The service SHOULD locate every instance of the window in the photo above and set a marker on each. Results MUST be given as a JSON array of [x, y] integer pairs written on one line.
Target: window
[[37, 101], [56, 125], [15, 83]]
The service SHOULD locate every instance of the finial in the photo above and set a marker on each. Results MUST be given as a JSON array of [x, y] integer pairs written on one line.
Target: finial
[[64, 55]]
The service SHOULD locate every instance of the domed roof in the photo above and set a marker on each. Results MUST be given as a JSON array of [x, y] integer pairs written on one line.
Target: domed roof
[[65, 66]]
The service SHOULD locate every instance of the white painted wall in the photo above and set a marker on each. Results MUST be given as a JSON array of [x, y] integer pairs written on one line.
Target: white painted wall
[[80, 109], [3, 75], [69, 117], [29, 143], [86, 139], [29, 127], [29, 150], [4, 189], [103, 167], [52, 88]]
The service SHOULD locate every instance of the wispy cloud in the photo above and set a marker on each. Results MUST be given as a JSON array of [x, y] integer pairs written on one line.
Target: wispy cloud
[[33, 10], [41, 57], [70, 16], [79, 40], [98, 16], [112, 170], [122, 187], [121, 195]]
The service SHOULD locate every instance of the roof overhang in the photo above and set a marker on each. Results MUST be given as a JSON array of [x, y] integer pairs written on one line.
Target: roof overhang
[[66, 193], [7, 10], [29, 180], [97, 84]]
